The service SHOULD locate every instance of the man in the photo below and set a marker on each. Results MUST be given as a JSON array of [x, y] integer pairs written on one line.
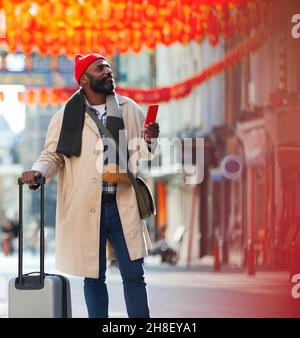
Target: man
[[89, 210]]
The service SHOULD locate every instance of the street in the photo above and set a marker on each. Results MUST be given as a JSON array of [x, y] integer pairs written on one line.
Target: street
[[175, 292], [173, 121]]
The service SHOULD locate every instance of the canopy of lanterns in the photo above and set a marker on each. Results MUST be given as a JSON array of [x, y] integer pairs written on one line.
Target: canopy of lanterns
[[68, 27]]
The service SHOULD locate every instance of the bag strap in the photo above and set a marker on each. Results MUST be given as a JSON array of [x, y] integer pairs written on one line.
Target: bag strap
[[105, 131]]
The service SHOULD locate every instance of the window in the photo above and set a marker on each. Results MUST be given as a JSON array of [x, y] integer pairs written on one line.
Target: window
[[15, 62]]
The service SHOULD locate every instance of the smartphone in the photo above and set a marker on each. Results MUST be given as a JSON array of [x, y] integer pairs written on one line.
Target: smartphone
[[151, 114]]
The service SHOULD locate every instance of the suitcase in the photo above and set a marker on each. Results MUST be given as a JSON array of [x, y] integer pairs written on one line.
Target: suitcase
[[37, 294]]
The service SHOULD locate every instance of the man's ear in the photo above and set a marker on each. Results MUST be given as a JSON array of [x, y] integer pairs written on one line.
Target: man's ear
[[84, 80]]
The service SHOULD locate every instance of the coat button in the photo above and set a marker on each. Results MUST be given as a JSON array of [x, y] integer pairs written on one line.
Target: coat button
[[94, 180], [96, 152], [92, 210]]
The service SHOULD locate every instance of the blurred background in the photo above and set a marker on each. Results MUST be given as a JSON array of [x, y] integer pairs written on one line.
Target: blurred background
[[227, 71]]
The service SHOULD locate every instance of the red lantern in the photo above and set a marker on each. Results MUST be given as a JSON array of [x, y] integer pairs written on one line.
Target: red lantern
[[31, 97], [43, 97], [54, 97]]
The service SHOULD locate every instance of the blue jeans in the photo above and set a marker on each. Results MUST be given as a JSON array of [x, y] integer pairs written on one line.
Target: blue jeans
[[132, 272]]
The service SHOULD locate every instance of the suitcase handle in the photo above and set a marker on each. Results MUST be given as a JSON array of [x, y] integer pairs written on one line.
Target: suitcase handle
[[20, 281]]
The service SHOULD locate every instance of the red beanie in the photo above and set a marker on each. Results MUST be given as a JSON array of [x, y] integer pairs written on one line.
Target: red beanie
[[82, 62]]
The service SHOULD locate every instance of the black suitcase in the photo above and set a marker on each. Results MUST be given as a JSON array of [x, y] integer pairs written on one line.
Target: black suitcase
[[37, 294]]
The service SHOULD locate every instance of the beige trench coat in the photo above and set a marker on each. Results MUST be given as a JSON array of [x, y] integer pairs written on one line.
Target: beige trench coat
[[79, 190]]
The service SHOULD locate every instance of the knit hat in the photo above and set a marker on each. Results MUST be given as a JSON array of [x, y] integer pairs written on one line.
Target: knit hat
[[83, 61]]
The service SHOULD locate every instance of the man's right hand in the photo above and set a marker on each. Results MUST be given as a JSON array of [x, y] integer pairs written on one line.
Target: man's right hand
[[28, 177]]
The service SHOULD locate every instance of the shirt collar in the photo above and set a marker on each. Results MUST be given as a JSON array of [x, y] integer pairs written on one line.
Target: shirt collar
[[91, 107], [87, 103]]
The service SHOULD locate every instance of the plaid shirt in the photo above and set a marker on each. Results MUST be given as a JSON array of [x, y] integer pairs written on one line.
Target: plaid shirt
[[107, 188]]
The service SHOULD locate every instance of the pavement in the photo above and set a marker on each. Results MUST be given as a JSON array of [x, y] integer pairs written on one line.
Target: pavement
[[180, 292]]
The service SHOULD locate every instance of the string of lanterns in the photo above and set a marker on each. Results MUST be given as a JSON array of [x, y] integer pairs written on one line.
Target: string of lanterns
[[68, 27], [58, 96]]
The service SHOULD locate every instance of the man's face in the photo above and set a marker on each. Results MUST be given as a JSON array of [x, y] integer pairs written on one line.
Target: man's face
[[101, 78]]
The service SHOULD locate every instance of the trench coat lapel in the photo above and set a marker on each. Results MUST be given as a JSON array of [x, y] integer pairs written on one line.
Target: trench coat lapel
[[91, 124]]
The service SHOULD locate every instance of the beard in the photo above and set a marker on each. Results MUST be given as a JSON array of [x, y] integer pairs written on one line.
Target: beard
[[105, 85]]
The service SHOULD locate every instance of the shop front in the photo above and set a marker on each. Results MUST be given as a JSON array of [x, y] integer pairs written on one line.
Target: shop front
[[282, 125], [257, 190]]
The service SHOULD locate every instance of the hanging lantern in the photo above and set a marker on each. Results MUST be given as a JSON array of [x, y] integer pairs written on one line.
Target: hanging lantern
[[54, 97], [31, 97], [64, 95], [43, 99]]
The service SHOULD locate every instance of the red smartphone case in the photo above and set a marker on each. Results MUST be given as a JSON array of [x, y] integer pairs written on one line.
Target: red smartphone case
[[151, 114]]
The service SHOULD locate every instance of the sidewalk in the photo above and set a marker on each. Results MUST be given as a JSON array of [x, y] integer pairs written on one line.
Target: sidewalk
[[175, 291]]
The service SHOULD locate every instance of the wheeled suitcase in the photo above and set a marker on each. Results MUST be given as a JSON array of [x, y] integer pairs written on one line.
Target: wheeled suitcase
[[37, 294]]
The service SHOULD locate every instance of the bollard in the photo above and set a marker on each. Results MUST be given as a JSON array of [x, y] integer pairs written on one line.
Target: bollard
[[216, 256], [265, 253], [250, 258]]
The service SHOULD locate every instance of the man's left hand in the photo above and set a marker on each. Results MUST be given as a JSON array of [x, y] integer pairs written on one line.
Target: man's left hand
[[151, 130]]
